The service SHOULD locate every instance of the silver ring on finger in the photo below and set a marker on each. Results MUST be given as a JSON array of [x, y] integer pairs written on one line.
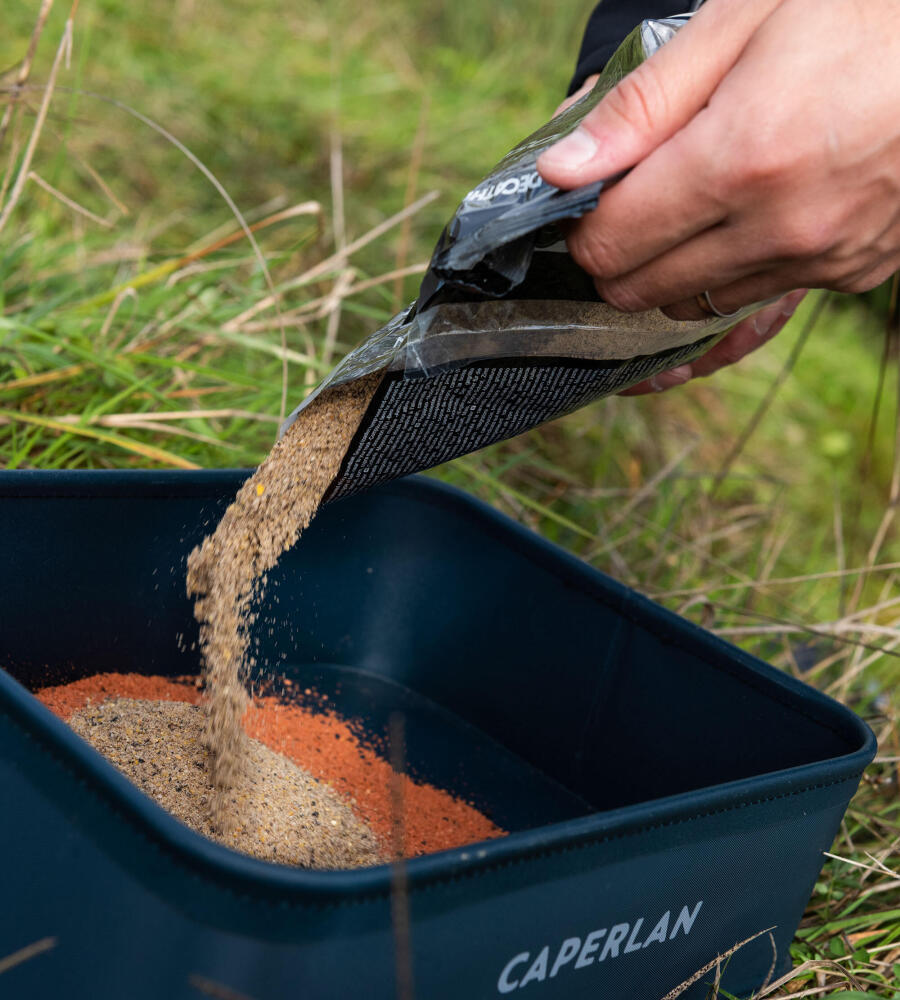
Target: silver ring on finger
[[717, 312]]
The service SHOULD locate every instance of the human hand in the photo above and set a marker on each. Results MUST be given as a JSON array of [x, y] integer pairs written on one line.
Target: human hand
[[749, 334], [766, 156]]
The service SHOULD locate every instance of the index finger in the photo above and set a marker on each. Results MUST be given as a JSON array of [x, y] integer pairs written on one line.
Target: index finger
[[658, 98], [664, 201]]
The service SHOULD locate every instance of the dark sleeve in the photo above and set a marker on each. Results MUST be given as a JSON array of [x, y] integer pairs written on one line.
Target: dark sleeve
[[611, 21]]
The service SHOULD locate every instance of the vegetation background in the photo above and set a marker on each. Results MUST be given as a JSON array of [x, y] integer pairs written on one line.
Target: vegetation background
[[760, 503]]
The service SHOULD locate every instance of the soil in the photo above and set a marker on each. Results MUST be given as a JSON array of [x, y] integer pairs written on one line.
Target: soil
[[325, 745]]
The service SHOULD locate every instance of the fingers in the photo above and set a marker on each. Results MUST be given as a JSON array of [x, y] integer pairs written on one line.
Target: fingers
[[658, 98], [683, 272], [661, 382], [745, 338], [761, 287], [663, 202]]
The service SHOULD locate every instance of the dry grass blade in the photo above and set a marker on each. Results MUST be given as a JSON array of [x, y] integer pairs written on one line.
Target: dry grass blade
[[834, 631], [859, 666], [381, 279], [25, 68], [18, 185], [694, 545], [332, 262], [14, 147], [122, 419], [893, 338], [277, 203], [889, 337], [337, 189], [206, 267], [310, 361], [180, 146], [302, 208], [672, 994], [128, 293], [412, 179], [332, 307], [839, 545], [319, 307], [156, 427], [781, 581], [28, 952], [160, 423], [67, 201], [817, 965], [136, 447], [207, 173], [153, 417], [340, 241], [773, 965], [877, 867], [189, 264], [822, 629], [650, 487], [763, 408], [108, 192], [42, 378]]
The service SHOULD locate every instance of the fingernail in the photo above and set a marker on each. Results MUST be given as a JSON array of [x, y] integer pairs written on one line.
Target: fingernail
[[763, 321], [678, 375], [576, 149], [791, 303], [671, 378]]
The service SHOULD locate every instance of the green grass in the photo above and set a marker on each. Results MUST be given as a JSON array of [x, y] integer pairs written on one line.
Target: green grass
[[121, 343]]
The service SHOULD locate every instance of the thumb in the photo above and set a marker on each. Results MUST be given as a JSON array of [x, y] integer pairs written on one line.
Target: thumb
[[658, 98]]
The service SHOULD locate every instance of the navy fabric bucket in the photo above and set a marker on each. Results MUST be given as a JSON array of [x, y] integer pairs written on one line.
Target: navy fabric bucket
[[667, 795]]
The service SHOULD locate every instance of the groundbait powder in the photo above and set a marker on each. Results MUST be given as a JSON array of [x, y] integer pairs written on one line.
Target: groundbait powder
[[279, 812], [311, 735], [226, 572]]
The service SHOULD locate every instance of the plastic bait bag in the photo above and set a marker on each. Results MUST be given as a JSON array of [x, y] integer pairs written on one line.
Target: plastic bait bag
[[507, 331]]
